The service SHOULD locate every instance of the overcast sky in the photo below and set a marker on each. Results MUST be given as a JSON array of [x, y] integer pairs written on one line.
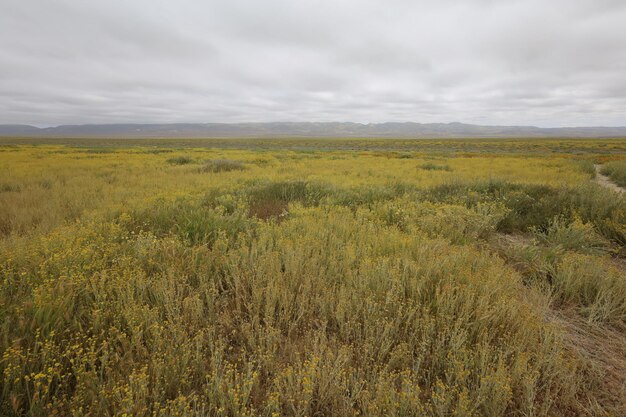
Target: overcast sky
[[538, 62]]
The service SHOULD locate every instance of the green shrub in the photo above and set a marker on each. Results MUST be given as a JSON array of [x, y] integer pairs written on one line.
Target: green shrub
[[535, 263], [369, 195], [587, 166], [593, 285], [192, 221], [157, 151], [98, 151], [574, 235], [271, 199], [429, 166], [180, 160], [616, 170], [533, 207], [222, 165], [9, 188], [456, 223], [305, 192]]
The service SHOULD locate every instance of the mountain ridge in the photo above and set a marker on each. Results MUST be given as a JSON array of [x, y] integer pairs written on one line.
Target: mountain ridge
[[305, 129]]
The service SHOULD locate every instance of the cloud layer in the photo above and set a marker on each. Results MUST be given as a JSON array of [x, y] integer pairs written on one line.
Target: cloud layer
[[545, 63]]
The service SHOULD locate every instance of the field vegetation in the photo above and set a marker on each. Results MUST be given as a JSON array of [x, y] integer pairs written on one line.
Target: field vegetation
[[616, 170], [312, 278]]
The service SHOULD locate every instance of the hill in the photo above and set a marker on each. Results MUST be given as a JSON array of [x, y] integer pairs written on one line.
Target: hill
[[307, 129]]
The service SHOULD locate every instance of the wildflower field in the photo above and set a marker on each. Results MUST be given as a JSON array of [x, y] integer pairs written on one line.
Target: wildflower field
[[301, 277]]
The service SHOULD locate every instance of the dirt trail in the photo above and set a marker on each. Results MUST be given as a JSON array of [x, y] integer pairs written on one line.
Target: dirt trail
[[605, 181]]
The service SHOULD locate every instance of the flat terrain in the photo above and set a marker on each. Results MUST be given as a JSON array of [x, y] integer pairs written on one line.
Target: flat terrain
[[310, 277]]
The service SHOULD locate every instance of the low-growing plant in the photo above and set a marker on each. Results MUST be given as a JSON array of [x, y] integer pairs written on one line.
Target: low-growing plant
[[572, 235], [370, 195], [9, 188], [535, 263], [98, 151], [587, 166], [180, 160], [457, 223], [593, 285], [222, 165], [157, 151], [429, 166], [191, 221], [535, 206], [616, 170]]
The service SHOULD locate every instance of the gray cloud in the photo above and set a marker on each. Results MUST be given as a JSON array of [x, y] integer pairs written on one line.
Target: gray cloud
[[552, 63]]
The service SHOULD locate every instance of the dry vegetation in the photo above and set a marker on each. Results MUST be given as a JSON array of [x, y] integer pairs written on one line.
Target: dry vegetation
[[311, 278], [616, 170]]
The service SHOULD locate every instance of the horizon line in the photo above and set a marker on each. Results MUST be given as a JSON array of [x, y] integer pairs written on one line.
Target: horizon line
[[37, 126]]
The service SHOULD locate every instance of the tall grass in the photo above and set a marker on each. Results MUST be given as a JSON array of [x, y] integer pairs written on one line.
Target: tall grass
[[616, 170], [311, 283], [277, 324], [535, 206], [592, 283]]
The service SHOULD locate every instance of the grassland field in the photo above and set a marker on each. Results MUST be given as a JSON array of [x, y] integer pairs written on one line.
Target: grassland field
[[312, 277]]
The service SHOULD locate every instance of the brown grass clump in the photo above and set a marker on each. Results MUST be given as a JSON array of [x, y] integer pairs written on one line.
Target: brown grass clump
[[266, 209]]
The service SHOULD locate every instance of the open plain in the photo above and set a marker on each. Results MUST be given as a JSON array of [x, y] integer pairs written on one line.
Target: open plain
[[312, 277]]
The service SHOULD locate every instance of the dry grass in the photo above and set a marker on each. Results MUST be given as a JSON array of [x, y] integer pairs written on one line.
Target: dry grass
[[605, 348], [312, 282], [616, 171]]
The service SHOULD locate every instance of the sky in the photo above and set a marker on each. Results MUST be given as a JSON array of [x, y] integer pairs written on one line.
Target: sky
[[546, 63]]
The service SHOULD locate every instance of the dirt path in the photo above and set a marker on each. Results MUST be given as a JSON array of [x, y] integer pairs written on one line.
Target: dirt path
[[605, 181]]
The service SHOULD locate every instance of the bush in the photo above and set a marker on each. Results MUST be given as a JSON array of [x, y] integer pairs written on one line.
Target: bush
[[587, 166], [98, 151], [429, 166], [587, 281], [574, 235], [593, 285], [616, 170], [533, 207], [191, 221], [456, 223], [180, 160], [369, 195], [222, 165], [8, 188]]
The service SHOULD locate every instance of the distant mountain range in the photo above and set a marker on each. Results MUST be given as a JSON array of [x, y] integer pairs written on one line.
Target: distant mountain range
[[306, 129]]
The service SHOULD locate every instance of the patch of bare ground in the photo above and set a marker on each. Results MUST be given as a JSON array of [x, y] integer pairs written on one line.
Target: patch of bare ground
[[605, 181]]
